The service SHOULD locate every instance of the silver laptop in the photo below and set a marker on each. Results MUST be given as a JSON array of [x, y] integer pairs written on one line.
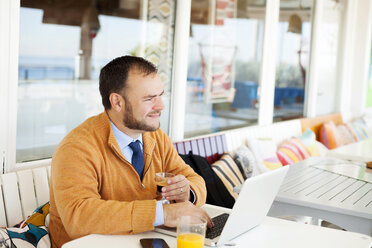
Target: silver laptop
[[250, 209]]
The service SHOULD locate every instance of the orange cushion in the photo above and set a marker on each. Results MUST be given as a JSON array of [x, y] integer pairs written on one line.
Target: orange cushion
[[329, 136]]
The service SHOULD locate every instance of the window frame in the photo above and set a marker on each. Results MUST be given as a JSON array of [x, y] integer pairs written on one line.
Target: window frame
[[9, 28]]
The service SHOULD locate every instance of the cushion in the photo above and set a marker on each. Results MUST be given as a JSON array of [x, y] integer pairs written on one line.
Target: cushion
[[322, 149], [245, 158], [33, 232], [272, 163], [228, 171], [359, 128], [264, 151], [308, 138], [346, 136], [367, 119], [329, 135], [292, 151]]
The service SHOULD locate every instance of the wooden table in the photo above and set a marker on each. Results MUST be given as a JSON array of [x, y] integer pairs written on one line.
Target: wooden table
[[342, 197], [272, 232]]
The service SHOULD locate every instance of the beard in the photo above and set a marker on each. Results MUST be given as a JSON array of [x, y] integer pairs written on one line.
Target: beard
[[131, 122]]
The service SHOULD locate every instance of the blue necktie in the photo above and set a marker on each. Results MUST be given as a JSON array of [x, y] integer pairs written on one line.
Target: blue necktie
[[138, 161]]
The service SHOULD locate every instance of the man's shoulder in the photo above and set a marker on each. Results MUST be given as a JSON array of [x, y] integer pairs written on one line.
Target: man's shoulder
[[93, 128]]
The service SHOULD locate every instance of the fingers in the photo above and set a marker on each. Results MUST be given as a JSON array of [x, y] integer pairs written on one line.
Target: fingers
[[210, 223], [176, 179], [178, 189], [202, 215], [174, 211], [208, 219], [180, 194]]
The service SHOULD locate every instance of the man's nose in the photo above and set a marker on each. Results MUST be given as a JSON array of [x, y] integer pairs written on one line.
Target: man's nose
[[159, 105]]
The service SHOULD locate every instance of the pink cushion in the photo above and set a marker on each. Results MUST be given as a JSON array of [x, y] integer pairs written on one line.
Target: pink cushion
[[292, 151]]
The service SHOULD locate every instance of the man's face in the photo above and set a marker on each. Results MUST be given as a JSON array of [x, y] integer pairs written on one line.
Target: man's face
[[143, 102]]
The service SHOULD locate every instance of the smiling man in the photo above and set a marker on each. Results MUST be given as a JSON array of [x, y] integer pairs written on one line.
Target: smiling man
[[103, 171]]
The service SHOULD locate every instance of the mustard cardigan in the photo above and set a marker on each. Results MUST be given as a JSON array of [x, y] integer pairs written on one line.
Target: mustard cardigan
[[94, 189]]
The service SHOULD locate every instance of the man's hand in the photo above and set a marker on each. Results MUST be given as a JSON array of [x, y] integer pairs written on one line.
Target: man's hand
[[177, 190], [175, 210]]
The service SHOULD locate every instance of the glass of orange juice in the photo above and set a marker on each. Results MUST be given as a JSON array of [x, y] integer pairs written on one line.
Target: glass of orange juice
[[191, 232]]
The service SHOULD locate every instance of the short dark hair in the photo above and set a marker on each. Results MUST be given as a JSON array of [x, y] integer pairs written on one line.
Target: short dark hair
[[114, 75]]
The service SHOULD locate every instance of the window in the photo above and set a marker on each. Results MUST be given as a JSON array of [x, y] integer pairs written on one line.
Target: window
[[292, 59], [63, 46], [225, 53]]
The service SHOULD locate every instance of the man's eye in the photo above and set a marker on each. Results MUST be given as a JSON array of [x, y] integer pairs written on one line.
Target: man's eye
[[148, 99]]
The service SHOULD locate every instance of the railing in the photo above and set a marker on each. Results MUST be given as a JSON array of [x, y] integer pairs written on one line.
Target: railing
[[45, 72], [246, 93]]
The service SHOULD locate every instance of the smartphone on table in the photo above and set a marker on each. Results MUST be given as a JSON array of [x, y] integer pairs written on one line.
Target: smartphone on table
[[154, 243]]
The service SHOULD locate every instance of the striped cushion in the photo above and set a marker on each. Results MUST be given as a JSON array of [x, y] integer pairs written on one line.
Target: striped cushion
[[329, 135], [229, 173], [351, 131], [359, 128], [301, 148], [292, 151]]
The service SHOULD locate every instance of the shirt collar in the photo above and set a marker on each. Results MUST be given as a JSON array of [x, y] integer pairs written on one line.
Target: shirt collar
[[123, 139]]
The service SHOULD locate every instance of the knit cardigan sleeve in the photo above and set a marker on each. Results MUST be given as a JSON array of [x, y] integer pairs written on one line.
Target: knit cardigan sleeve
[[76, 191]]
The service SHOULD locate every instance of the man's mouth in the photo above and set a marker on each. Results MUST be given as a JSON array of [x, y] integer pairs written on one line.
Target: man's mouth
[[154, 114]]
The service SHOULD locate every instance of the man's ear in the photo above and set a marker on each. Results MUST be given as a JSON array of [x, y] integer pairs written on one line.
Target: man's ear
[[117, 102]]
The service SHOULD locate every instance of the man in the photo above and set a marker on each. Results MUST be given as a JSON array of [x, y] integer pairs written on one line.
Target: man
[[103, 171]]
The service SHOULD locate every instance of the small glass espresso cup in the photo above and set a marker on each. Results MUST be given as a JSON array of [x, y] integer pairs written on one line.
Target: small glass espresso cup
[[161, 179], [191, 232]]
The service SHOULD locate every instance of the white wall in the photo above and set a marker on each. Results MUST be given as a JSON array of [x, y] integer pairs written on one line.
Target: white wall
[[327, 64], [339, 58], [354, 56]]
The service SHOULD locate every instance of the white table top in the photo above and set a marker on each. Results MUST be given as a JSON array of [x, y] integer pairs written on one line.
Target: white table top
[[272, 232], [358, 151], [312, 183]]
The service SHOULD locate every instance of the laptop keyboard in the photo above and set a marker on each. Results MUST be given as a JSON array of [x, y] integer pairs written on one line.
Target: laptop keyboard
[[219, 222]]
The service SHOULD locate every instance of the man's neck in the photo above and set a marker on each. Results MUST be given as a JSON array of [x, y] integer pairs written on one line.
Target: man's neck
[[118, 122]]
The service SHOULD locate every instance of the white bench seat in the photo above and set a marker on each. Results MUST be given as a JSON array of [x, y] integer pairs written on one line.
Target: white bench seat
[[22, 192]]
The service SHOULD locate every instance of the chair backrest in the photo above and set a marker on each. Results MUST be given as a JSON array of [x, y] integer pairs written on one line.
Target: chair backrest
[[21, 193], [211, 147], [315, 123]]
